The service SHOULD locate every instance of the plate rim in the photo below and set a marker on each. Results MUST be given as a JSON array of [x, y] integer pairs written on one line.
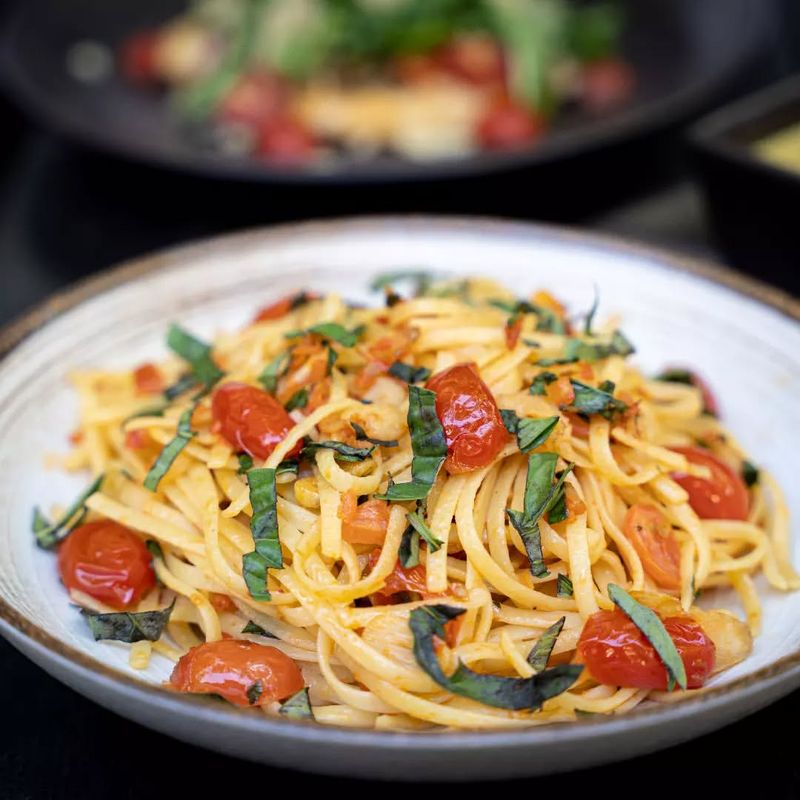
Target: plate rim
[[27, 636]]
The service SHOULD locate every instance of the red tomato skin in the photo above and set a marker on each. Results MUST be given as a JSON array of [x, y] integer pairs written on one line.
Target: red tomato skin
[[229, 668], [650, 534], [472, 423], [148, 379], [107, 561], [724, 496], [617, 653], [506, 124], [255, 99], [284, 140], [251, 420], [475, 59]]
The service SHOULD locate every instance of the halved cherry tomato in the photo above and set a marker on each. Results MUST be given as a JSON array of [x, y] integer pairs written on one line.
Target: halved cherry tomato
[[512, 332], [251, 420], [107, 561], [231, 667], [382, 354], [651, 535], [280, 308], [365, 523], [561, 392], [285, 140], [580, 426], [222, 602], [254, 99], [617, 653], [400, 579], [722, 496], [474, 59], [472, 423], [607, 83], [148, 379], [507, 124], [138, 57]]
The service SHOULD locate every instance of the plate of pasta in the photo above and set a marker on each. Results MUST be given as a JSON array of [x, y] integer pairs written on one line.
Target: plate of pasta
[[479, 519]]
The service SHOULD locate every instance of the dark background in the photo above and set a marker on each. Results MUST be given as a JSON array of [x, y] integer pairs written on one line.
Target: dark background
[[64, 213]]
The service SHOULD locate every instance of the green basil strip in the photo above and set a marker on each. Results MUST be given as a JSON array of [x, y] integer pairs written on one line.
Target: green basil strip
[[420, 279], [154, 548], [510, 420], [254, 692], [330, 330], [128, 626], [408, 552], [274, 371], [344, 452], [245, 462], [421, 527], [589, 400], [298, 400], [172, 449], [49, 534], [426, 622], [547, 321], [361, 436], [255, 629], [587, 325], [332, 358], [541, 651], [531, 433], [563, 586], [676, 376], [298, 706], [408, 373], [528, 530], [196, 353], [750, 473], [264, 527], [285, 467], [650, 624], [578, 350], [428, 444], [541, 382], [181, 386], [558, 510]]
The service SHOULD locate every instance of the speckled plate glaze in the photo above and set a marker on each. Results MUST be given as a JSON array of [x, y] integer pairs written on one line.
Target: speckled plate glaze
[[743, 336]]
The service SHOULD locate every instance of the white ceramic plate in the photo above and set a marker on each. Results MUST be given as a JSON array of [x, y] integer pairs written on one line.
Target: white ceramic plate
[[743, 337]]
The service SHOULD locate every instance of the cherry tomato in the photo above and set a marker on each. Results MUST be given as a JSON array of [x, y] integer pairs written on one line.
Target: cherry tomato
[[137, 439], [400, 579], [365, 523], [231, 667], [107, 561], [475, 59], [651, 536], [148, 379], [255, 99], [580, 427], [507, 124], [607, 83], [561, 392], [723, 496], [617, 653], [285, 140], [251, 420], [138, 57], [472, 423], [512, 332], [280, 308]]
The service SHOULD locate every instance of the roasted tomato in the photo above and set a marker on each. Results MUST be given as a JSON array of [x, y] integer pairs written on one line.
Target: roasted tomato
[[251, 420], [562, 393], [472, 423], [512, 331], [401, 579], [148, 379], [507, 124], [722, 496], [651, 536], [285, 140], [617, 653], [231, 668], [255, 99], [138, 61], [280, 308], [365, 523], [107, 561]]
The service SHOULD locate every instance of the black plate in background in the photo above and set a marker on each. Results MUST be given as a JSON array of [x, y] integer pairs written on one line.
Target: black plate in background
[[683, 52]]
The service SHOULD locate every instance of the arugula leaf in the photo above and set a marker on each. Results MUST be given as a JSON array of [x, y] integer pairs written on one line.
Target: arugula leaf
[[264, 527], [541, 381], [344, 452], [49, 534], [563, 586], [650, 624], [196, 353], [427, 622], [128, 626], [274, 371], [750, 473], [298, 400], [254, 692], [428, 445], [361, 436], [541, 651], [256, 630], [421, 527], [408, 552], [298, 706], [245, 462], [172, 449], [409, 374], [589, 400], [330, 330]]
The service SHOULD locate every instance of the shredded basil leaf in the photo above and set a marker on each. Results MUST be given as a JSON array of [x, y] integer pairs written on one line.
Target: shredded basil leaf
[[330, 330], [676, 376], [274, 371], [245, 462], [563, 586], [530, 432], [408, 552], [128, 626], [541, 382], [546, 320], [344, 452], [49, 534], [589, 400], [427, 622], [254, 692], [172, 449], [298, 400], [181, 386], [578, 350], [361, 436], [256, 630], [587, 325], [420, 280], [541, 651], [196, 353], [510, 420], [428, 445], [289, 466], [650, 624], [421, 527], [332, 357], [298, 706], [154, 548], [264, 527], [409, 374], [750, 474]]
